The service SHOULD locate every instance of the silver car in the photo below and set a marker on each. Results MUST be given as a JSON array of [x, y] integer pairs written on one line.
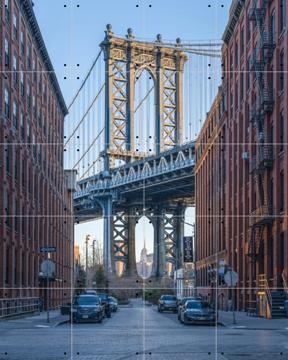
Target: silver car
[[167, 303], [197, 312]]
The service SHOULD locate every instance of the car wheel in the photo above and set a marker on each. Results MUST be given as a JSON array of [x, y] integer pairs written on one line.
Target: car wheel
[[100, 320]]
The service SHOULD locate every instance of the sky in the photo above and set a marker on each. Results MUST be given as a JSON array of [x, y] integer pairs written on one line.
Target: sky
[[73, 29]]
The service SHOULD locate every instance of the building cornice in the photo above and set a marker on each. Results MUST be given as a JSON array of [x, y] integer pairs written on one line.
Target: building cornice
[[28, 12], [234, 14]]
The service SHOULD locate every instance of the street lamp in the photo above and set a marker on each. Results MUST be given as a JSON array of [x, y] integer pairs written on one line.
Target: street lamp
[[194, 253], [86, 243]]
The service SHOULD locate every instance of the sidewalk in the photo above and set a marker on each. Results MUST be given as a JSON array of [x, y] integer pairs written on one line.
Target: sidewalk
[[36, 320], [250, 322]]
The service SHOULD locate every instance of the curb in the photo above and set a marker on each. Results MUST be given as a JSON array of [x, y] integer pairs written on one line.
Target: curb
[[61, 322]]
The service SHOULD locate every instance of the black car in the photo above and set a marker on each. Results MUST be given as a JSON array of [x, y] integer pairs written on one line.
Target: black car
[[197, 312], [113, 303], [167, 303], [105, 301], [87, 308]]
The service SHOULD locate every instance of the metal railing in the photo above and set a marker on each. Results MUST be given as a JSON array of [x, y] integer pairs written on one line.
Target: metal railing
[[264, 287], [259, 215], [285, 282], [18, 306]]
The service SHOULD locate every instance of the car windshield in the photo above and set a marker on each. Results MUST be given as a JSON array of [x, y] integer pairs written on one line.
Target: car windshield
[[183, 302], [169, 297], [196, 305], [103, 296], [87, 300]]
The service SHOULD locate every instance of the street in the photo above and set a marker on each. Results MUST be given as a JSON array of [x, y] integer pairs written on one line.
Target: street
[[138, 332]]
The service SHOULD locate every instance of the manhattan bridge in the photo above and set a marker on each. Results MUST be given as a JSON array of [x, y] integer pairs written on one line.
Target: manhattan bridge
[[129, 136]]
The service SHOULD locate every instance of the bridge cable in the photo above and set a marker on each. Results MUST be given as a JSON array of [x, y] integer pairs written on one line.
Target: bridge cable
[[145, 97], [84, 81], [97, 137], [84, 116], [90, 146]]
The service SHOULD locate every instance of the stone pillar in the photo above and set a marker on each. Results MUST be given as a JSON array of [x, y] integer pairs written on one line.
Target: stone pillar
[[159, 101], [108, 248], [179, 236], [131, 269], [159, 261]]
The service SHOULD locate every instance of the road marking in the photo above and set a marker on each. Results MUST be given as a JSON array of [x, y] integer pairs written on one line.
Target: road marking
[[42, 326]]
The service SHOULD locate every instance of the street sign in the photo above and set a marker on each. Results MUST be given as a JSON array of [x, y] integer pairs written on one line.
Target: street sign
[[231, 278], [188, 249], [48, 249], [48, 268]]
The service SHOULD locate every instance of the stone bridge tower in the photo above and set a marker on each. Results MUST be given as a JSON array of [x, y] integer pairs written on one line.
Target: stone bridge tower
[[125, 59]]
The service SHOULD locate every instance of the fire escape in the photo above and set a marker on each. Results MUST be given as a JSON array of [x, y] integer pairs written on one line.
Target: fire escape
[[262, 162]]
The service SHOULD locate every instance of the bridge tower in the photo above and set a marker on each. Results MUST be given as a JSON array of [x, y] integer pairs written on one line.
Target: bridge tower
[[125, 59]]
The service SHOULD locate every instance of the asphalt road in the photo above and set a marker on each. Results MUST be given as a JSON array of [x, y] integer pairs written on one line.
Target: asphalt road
[[139, 332]]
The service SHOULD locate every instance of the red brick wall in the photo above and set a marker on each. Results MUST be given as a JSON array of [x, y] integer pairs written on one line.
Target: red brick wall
[[240, 191], [38, 207]]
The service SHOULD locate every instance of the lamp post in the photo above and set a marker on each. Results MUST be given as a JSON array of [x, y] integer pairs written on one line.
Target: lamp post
[[194, 254], [86, 243]]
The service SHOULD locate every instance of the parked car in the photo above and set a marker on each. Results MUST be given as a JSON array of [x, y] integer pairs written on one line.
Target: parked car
[[167, 303], [90, 292], [87, 308], [197, 312], [105, 301], [182, 302], [113, 303]]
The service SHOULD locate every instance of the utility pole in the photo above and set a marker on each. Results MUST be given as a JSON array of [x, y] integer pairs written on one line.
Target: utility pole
[[86, 243], [94, 262]]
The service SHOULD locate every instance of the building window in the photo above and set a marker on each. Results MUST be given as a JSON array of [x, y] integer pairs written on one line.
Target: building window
[[281, 130], [282, 191], [34, 105], [248, 31], [7, 10], [236, 95], [34, 69], [15, 70], [15, 115], [248, 74], [281, 73], [7, 103], [231, 65], [22, 43], [15, 27], [28, 132], [236, 54], [272, 27], [282, 15], [16, 220], [242, 85], [28, 96], [22, 85], [22, 127], [29, 58], [8, 162], [242, 42], [7, 52]]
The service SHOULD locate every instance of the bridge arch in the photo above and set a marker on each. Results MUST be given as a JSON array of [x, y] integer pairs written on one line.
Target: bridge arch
[[144, 112], [144, 240]]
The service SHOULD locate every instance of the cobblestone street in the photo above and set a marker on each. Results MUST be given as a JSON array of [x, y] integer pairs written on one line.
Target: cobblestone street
[[138, 332]]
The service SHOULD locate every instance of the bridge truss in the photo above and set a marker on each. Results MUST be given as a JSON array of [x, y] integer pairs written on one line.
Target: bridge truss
[[122, 178]]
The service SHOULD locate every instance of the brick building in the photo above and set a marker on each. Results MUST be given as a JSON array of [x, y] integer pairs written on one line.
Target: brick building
[[255, 152], [35, 202]]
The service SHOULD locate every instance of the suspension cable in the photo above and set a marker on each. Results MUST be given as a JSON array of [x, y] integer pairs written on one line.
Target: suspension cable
[[90, 146], [145, 97], [84, 116], [84, 81]]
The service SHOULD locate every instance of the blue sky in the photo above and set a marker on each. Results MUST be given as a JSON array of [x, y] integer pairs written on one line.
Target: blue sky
[[73, 29]]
